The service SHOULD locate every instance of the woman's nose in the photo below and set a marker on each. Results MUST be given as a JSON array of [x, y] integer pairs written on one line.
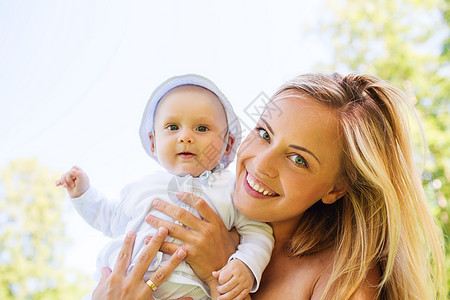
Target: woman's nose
[[266, 162]]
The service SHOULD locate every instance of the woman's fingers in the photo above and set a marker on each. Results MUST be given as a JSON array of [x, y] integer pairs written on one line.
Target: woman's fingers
[[208, 241], [205, 211], [148, 253], [102, 284], [124, 257], [175, 230], [177, 213], [163, 272], [105, 274], [168, 248], [119, 285]]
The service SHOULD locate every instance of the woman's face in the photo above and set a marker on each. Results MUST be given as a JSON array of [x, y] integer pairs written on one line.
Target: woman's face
[[290, 161]]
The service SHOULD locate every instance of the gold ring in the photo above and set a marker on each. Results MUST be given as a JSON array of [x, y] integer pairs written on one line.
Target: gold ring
[[152, 285]]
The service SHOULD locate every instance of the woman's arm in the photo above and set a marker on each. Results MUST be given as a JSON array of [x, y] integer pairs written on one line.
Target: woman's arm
[[120, 285], [208, 242]]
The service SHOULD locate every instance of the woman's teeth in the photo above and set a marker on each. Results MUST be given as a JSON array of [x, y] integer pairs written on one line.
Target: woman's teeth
[[257, 188]]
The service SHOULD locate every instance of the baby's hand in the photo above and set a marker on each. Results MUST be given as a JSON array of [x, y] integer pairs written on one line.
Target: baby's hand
[[75, 181], [235, 279]]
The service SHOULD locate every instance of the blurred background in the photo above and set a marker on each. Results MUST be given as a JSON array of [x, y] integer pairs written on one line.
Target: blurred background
[[75, 77]]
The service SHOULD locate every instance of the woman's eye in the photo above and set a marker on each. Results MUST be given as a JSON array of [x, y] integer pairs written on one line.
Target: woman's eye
[[172, 127], [202, 128], [299, 160], [264, 134]]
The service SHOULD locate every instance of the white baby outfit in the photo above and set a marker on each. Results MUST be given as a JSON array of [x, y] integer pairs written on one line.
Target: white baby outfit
[[114, 219]]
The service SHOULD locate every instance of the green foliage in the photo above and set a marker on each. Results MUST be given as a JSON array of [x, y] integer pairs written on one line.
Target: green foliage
[[407, 43], [32, 236]]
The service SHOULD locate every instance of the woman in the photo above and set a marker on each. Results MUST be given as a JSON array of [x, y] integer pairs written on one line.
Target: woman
[[334, 176]]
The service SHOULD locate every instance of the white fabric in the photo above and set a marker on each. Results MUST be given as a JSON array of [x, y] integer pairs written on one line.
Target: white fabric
[[115, 219], [147, 126]]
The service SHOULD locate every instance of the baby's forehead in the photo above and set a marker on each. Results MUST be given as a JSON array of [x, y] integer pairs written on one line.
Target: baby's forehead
[[214, 100], [191, 89]]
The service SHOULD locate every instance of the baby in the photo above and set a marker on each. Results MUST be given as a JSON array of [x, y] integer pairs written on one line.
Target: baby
[[190, 128]]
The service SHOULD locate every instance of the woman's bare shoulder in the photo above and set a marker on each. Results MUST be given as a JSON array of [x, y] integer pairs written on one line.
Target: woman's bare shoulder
[[367, 290], [307, 277], [323, 263], [293, 278]]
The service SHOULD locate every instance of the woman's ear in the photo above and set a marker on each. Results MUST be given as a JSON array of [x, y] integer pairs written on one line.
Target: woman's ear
[[337, 192], [230, 143], [152, 142]]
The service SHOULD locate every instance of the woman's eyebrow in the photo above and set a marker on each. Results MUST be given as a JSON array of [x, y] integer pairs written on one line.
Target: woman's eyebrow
[[305, 150], [267, 124], [291, 145]]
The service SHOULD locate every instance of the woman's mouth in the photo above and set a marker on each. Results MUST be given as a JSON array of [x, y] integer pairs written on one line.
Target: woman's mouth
[[257, 190]]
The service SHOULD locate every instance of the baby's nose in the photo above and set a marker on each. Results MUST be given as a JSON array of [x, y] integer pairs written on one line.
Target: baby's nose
[[185, 138]]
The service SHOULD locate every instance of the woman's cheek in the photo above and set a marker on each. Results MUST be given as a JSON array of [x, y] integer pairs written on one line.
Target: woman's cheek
[[249, 145]]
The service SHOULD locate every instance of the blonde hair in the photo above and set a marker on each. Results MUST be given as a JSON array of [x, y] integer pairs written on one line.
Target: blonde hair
[[383, 220]]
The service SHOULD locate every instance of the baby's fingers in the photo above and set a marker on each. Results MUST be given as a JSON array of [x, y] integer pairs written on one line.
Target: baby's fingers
[[62, 181], [76, 172], [73, 175], [69, 179], [236, 293], [224, 275], [227, 287]]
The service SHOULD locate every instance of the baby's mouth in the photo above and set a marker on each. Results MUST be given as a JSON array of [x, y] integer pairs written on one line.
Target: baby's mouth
[[186, 155]]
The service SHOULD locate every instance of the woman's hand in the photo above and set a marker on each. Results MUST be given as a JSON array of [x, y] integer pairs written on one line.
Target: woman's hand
[[207, 241], [120, 285]]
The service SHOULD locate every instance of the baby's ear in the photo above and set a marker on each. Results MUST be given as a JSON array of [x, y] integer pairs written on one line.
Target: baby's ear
[[152, 143], [230, 144]]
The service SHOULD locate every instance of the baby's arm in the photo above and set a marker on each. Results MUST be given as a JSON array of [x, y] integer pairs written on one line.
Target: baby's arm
[[255, 248], [75, 181], [235, 279], [102, 214]]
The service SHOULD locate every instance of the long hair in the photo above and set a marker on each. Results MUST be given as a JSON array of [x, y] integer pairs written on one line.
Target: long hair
[[383, 220]]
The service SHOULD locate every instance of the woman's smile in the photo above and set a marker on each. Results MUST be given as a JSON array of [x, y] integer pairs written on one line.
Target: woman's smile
[[257, 186]]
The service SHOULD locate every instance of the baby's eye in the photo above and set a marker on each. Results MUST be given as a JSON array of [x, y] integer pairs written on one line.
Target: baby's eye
[[299, 160], [172, 127], [264, 134], [202, 128]]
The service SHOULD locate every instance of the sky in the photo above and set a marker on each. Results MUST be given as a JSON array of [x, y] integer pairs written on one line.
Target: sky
[[75, 77]]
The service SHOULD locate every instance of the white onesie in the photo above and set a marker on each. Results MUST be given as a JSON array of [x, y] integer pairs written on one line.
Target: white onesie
[[115, 219]]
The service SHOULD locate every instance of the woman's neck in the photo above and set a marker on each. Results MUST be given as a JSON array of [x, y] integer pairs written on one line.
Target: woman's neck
[[283, 231]]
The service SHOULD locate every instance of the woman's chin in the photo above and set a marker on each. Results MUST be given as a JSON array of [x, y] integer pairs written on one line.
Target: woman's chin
[[246, 205]]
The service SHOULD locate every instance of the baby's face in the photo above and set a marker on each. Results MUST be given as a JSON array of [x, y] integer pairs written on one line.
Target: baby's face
[[190, 127]]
